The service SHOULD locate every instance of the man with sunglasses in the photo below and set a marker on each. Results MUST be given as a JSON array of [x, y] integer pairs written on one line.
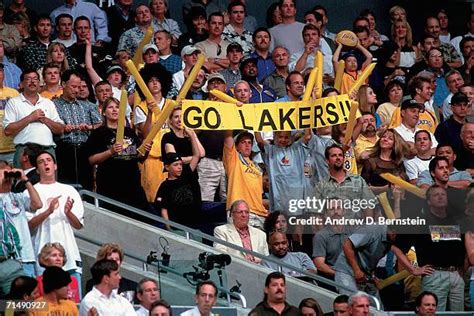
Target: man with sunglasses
[[215, 47]]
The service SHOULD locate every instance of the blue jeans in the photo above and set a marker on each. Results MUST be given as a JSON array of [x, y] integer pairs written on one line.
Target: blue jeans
[[448, 286], [10, 269]]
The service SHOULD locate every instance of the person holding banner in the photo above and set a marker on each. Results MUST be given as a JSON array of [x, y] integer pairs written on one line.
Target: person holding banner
[[158, 81], [118, 176]]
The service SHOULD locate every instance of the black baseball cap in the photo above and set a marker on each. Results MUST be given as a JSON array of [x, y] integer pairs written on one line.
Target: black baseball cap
[[411, 103], [236, 46], [169, 158]]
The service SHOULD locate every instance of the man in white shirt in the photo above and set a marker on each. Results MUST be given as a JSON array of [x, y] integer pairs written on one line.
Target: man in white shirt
[[410, 113], [424, 153], [102, 297], [30, 118], [206, 297], [61, 212], [147, 293]]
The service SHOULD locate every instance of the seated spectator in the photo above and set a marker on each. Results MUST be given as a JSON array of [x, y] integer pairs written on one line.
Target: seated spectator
[[386, 157], [367, 101], [103, 297], [206, 298], [402, 35], [466, 46], [93, 13], [24, 288], [277, 221], [170, 61], [23, 25], [426, 303], [63, 24], [55, 283], [416, 165], [7, 148], [54, 255], [310, 307], [9, 34], [241, 234], [454, 82], [465, 157], [147, 293], [52, 87], [112, 251], [276, 79], [448, 175], [182, 181], [120, 18], [19, 7], [259, 92], [449, 131], [114, 160], [162, 21], [12, 72], [189, 56], [340, 305], [56, 54], [366, 139], [27, 163], [393, 94], [160, 308], [278, 246], [198, 31], [274, 300], [235, 31]]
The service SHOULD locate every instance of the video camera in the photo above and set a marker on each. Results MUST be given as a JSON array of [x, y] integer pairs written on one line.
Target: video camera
[[208, 261]]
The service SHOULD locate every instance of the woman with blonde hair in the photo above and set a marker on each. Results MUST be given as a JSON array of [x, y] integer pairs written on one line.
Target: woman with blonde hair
[[386, 156], [56, 54], [402, 35], [397, 13], [53, 254]]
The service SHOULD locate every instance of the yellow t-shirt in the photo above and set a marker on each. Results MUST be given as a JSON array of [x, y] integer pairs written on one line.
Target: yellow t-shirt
[[427, 120], [64, 308], [347, 81], [350, 163], [385, 111], [244, 181], [51, 95], [6, 142], [362, 144]]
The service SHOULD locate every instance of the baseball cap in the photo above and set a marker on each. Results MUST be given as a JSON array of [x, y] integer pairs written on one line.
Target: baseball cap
[[410, 103], [188, 50], [243, 135], [55, 278], [216, 75], [246, 60], [150, 46], [116, 68], [234, 45], [169, 158]]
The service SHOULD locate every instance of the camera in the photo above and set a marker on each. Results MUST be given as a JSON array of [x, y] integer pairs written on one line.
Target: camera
[[208, 260], [11, 174]]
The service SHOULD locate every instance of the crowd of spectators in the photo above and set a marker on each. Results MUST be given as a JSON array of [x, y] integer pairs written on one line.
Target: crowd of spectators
[[61, 79]]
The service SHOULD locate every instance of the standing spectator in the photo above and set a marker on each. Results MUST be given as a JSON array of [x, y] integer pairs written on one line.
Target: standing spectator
[[96, 16], [114, 160], [324, 30], [63, 24], [259, 92], [15, 206], [467, 51], [52, 81], [261, 40], [171, 62], [62, 212], [11, 71], [273, 16], [54, 255], [276, 80], [215, 46], [235, 31], [402, 35], [27, 161], [366, 139], [287, 34], [56, 54], [370, 16], [189, 56], [131, 38], [416, 165], [7, 148], [444, 35], [55, 283], [450, 55], [274, 300], [470, 27], [24, 288], [120, 18], [232, 73], [162, 22], [197, 32], [18, 6], [81, 118], [465, 157], [10, 36], [103, 298], [29, 124]]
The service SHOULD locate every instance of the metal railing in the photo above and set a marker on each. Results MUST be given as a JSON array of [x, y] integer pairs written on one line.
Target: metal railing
[[190, 231]]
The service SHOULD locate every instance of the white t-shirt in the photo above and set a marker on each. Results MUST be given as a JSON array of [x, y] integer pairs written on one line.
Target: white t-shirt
[[56, 228], [16, 206], [140, 116], [114, 304], [415, 166], [409, 135], [19, 107]]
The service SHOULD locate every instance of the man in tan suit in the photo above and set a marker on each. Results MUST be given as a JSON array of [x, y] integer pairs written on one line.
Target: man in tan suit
[[241, 234]]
